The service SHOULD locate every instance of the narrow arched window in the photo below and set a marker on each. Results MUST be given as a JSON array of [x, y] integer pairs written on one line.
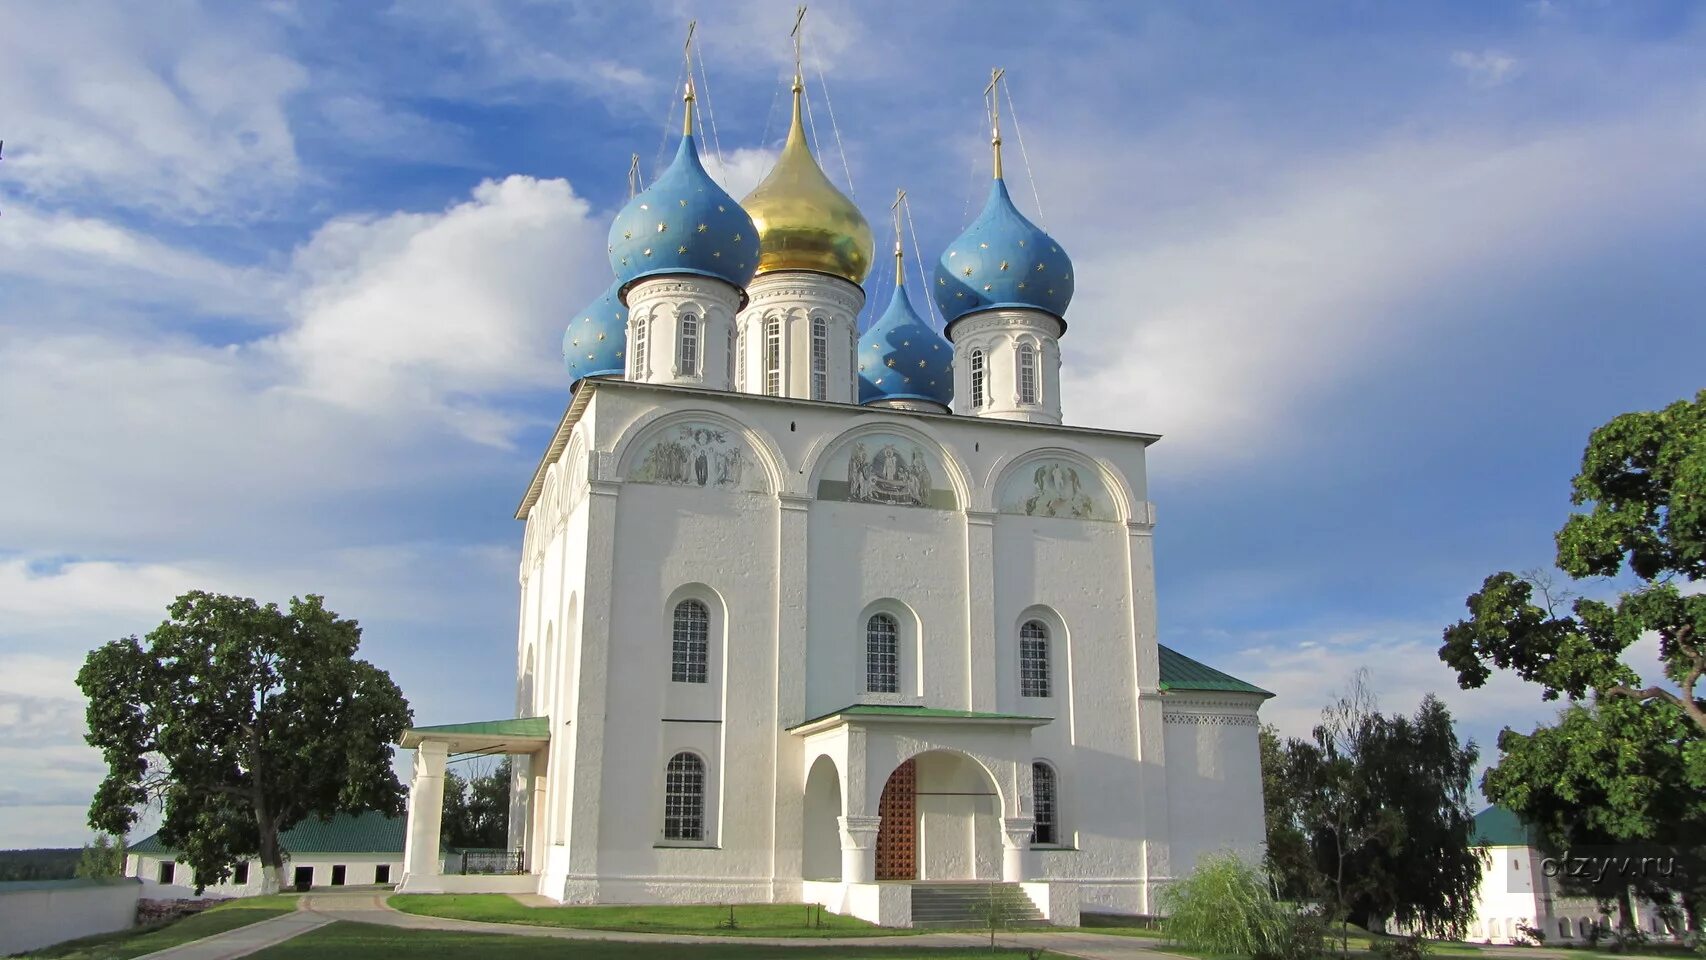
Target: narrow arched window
[[637, 351], [773, 357], [1044, 804], [684, 798], [976, 379], [820, 358], [731, 357], [1027, 373], [882, 654], [691, 640], [688, 361], [740, 367], [1033, 659]]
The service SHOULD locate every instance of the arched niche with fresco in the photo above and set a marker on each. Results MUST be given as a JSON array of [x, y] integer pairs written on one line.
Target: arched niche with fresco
[[888, 469], [1056, 486], [698, 453]]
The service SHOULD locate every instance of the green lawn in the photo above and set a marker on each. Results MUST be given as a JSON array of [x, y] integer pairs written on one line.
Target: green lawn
[[134, 943], [361, 940], [753, 919]]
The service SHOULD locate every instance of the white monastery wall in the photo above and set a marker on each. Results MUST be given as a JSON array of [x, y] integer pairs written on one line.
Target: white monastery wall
[[36, 915]]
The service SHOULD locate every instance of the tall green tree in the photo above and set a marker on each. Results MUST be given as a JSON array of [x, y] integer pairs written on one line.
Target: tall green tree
[[240, 721], [476, 807], [102, 857], [1382, 806], [1643, 480], [1288, 859], [1612, 774]]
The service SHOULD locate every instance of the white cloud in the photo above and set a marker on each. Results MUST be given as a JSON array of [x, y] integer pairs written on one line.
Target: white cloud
[[436, 313], [740, 170], [1221, 323], [1487, 68], [163, 108]]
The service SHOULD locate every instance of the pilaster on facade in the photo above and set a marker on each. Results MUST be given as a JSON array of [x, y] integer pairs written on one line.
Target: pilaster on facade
[[982, 690]]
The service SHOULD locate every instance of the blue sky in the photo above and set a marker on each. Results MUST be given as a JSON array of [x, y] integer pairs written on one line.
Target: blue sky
[[281, 289]]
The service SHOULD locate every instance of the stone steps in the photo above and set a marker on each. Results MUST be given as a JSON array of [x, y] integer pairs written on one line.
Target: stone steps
[[966, 904]]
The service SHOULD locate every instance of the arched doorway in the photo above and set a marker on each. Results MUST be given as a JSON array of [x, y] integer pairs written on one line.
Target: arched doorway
[[821, 856], [940, 820]]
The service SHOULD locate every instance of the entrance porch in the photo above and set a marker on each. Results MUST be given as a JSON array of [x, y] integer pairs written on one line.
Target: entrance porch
[[898, 796], [423, 859]]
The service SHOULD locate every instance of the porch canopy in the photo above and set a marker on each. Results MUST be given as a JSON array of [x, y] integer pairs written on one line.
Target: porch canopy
[[853, 754], [433, 746]]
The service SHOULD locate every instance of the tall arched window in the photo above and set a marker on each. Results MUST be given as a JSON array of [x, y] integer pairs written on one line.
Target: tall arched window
[[740, 367], [820, 358], [1027, 373], [731, 357], [976, 379], [773, 357], [689, 358], [691, 640], [1033, 659], [684, 798], [637, 351], [1044, 803], [882, 654]]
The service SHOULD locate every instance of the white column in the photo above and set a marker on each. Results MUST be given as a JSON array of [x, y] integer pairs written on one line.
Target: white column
[[1015, 843], [1153, 814], [787, 846], [859, 848], [981, 672], [421, 863]]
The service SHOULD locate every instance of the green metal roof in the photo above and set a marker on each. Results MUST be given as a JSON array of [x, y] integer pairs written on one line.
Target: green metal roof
[[1499, 826], [516, 727], [1179, 672], [345, 833], [920, 713]]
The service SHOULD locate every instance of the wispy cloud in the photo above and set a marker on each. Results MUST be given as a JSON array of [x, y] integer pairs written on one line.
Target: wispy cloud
[[1487, 68]]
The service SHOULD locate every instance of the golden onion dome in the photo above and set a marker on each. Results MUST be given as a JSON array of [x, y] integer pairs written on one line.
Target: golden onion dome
[[803, 222]]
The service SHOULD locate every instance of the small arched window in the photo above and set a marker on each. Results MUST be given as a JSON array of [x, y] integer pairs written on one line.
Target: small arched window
[[689, 358], [691, 640], [1033, 659], [976, 379], [1027, 373], [637, 350], [684, 798], [1045, 804], [731, 357], [882, 654], [820, 358], [773, 357]]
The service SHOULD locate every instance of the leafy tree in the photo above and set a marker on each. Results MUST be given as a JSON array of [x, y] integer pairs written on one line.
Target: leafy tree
[[476, 809], [240, 721], [1612, 774], [1382, 804], [1643, 477], [1289, 860], [102, 857]]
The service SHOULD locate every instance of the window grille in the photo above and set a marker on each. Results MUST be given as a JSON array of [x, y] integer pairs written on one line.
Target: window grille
[[1033, 660], [689, 359], [731, 357], [976, 379], [691, 642], [684, 798], [882, 654], [1027, 373], [1047, 828], [820, 358], [773, 357], [637, 355]]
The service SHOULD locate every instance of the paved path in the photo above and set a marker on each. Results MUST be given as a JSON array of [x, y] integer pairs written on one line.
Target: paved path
[[316, 910], [244, 940]]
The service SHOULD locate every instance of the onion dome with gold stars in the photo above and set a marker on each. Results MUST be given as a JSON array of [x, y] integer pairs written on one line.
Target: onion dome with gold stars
[[804, 222], [1003, 260], [901, 358], [683, 223], [596, 338]]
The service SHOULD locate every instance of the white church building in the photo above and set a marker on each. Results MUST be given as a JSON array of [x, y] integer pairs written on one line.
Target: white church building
[[810, 614]]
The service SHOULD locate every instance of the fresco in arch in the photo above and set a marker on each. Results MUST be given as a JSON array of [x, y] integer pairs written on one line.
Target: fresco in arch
[[886, 469], [702, 455], [1055, 488]]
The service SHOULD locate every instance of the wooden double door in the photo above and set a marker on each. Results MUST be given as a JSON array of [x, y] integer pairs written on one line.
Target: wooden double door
[[897, 833]]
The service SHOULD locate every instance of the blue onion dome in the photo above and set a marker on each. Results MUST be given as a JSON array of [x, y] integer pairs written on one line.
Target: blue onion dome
[[596, 338], [683, 223], [1003, 260], [901, 358]]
